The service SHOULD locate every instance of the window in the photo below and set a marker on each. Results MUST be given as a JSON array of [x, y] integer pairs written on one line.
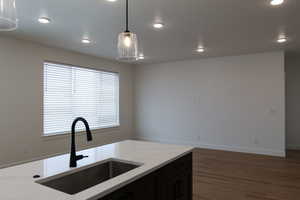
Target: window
[[71, 92]]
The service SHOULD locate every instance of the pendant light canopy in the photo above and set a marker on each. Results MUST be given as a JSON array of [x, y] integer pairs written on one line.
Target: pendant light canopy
[[8, 15], [127, 43]]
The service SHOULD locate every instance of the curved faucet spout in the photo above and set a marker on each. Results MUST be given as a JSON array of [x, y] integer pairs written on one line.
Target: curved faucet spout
[[73, 157], [87, 127]]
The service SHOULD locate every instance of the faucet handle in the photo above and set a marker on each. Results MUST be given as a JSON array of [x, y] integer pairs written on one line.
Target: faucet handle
[[79, 157]]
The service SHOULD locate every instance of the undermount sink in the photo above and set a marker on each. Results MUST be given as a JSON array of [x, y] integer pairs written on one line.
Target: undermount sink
[[81, 180]]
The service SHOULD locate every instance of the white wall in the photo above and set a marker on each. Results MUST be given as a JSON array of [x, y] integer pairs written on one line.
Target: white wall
[[231, 103], [292, 66], [21, 67]]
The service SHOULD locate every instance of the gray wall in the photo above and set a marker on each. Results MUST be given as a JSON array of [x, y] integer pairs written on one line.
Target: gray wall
[[231, 103], [21, 67], [292, 66]]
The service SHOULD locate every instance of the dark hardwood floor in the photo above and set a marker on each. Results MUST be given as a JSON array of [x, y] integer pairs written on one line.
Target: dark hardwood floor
[[221, 175]]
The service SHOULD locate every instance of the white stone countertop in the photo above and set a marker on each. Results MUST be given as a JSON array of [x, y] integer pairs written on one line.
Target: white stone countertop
[[17, 183]]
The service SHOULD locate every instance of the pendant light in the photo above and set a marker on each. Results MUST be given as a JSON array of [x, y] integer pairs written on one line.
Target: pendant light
[[127, 43], [8, 15]]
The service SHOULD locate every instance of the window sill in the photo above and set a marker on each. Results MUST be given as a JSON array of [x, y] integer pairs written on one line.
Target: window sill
[[94, 131]]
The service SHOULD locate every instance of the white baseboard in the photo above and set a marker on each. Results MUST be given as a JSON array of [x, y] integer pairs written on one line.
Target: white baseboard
[[260, 151]]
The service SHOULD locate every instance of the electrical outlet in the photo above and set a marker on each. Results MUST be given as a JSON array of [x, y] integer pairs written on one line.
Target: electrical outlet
[[272, 111], [256, 141], [198, 137]]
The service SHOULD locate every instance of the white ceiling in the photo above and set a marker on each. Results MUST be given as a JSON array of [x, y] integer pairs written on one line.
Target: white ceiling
[[223, 27]]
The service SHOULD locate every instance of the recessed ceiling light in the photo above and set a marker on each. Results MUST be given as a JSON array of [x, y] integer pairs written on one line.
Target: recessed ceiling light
[[44, 20], [141, 57], [200, 49], [111, 0], [282, 39], [158, 25], [85, 41], [276, 2]]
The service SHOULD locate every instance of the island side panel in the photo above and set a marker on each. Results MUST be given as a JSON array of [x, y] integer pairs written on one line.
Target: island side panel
[[171, 182]]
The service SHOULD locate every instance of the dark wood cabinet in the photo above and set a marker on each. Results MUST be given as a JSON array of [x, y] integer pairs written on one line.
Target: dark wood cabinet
[[171, 182], [175, 180]]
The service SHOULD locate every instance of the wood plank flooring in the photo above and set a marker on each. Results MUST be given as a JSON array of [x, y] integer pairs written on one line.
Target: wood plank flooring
[[221, 175]]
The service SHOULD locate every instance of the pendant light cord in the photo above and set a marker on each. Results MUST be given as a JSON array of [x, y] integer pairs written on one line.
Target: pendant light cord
[[127, 16]]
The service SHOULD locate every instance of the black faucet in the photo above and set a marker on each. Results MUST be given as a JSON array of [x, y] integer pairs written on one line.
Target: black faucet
[[73, 157]]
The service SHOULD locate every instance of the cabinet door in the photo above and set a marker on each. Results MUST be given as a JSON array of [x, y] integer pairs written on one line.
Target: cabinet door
[[179, 187], [124, 195], [175, 180], [142, 189], [145, 189]]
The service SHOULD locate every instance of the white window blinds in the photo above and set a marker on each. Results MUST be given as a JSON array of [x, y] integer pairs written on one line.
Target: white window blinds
[[71, 92]]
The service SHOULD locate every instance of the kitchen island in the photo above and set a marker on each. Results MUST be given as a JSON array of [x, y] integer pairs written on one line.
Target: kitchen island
[[162, 172]]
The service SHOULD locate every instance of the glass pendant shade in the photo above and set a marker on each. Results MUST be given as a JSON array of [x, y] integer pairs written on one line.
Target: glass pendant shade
[[8, 15], [127, 46]]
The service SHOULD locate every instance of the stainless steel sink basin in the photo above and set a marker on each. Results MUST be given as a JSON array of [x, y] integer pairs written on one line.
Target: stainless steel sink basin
[[81, 180]]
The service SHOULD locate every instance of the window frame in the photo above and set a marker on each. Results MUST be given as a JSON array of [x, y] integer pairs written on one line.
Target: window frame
[[66, 133]]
